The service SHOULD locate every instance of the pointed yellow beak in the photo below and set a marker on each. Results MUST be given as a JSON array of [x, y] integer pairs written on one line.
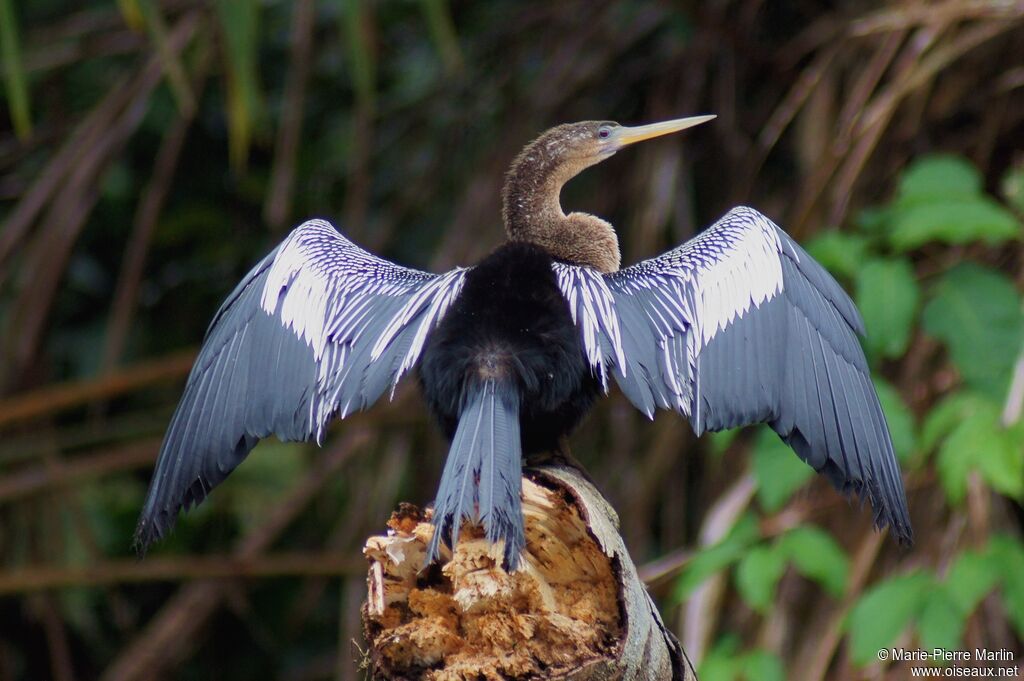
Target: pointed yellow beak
[[625, 135]]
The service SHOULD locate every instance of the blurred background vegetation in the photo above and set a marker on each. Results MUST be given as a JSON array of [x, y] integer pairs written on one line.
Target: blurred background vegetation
[[152, 150]]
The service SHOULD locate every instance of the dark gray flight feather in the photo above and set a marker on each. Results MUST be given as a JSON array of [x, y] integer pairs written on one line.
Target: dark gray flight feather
[[481, 478], [740, 325], [318, 328]]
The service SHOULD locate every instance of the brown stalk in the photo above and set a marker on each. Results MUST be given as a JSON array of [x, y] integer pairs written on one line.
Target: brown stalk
[[659, 573], [568, 72], [180, 569], [350, 632], [82, 139], [78, 25], [357, 196], [49, 253], [703, 607], [56, 637], [909, 16], [147, 215], [43, 477], [661, 455], [35, 199], [783, 114], [923, 68], [876, 118], [478, 205], [814, 657], [52, 57], [866, 84], [835, 161], [52, 399]]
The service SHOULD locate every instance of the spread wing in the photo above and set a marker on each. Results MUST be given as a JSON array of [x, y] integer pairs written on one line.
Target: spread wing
[[740, 325], [319, 328]]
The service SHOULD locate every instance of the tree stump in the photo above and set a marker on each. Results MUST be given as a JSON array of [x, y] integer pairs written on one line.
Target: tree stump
[[575, 610]]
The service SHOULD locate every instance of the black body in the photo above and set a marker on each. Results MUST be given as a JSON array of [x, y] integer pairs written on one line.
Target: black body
[[511, 323], [506, 376]]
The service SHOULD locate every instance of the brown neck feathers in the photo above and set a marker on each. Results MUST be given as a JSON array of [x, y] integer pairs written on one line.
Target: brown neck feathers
[[532, 211]]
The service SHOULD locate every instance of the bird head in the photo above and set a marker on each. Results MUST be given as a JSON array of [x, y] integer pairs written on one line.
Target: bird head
[[588, 142], [530, 199]]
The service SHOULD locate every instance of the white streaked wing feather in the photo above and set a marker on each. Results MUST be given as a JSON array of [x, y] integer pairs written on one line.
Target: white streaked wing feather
[[319, 327], [325, 289], [734, 293], [697, 289]]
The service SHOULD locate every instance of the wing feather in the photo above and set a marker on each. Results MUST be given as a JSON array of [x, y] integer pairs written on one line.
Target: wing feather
[[737, 326], [318, 328]]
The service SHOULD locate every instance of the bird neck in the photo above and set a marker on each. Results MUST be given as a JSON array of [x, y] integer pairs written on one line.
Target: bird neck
[[532, 211]]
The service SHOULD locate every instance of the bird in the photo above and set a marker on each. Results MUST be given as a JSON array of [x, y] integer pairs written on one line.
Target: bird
[[737, 326]]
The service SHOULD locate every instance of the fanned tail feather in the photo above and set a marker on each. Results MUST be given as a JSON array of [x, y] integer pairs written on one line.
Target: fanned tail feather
[[481, 478]]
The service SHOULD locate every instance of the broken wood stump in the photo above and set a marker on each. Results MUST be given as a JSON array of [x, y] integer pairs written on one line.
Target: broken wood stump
[[575, 610]]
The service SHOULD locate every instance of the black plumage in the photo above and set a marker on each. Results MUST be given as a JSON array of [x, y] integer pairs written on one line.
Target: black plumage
[[511, 323], [738, 325], [510, 334]]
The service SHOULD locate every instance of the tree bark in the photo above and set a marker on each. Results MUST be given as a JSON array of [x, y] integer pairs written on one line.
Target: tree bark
[[575, 610]]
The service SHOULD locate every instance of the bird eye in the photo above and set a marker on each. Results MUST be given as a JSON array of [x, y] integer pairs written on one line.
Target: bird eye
[[604, 132]]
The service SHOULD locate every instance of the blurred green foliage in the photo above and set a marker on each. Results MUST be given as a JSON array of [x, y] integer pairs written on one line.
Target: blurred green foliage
[[726, 661], [977, 313]]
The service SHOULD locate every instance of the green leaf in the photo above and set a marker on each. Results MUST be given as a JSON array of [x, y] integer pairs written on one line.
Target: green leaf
[[363, 63], [945, 416], [1013, 188], [874, 221], [817, 556], [938, 177], [725, 662], [883, 612], [15, 86], [757, 575], [170, 60], [899, 418], [713, 559], [722, 662], [132, 14], [778, 470], [957, 455], [953, 221], [976, 312], [720, 440], [1002, 463], [941, 199], [978, 441], [971, 577], [718, 668], [1007, 558], [841, 253], [760, 665], [940, 623], [888, 297], [239, 23], [442, 32]]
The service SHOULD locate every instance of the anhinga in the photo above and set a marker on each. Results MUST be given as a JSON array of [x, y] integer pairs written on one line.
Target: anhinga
[[736, 326]]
